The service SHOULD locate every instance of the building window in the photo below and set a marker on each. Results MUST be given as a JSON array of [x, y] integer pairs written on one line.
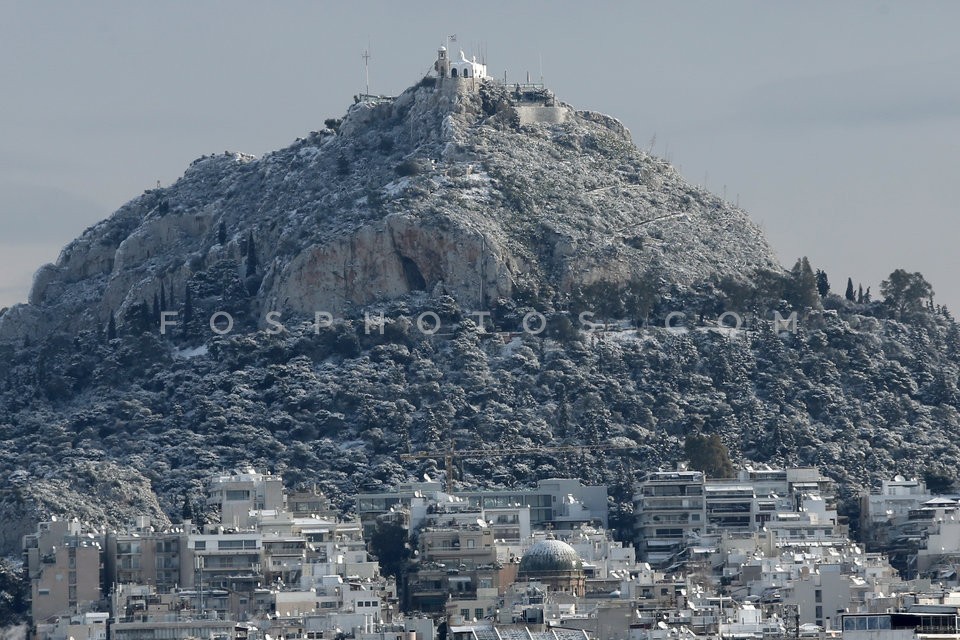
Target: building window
[[200, 545], [478, 614], [453, 74], [818, 595], [464, 613]]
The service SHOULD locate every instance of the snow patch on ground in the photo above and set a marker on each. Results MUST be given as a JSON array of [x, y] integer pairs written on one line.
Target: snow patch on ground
[[513, 345], [191, 352], [396, 187]]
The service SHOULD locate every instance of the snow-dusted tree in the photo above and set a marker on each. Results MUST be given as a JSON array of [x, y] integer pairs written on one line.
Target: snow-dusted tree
[[904, 291]]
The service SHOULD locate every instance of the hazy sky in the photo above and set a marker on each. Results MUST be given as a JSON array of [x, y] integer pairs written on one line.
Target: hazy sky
[[837, 125]]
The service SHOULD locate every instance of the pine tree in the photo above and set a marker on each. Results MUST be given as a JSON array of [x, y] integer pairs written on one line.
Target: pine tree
[[251, 255], [904, 291], [707, 453], [849, 294]]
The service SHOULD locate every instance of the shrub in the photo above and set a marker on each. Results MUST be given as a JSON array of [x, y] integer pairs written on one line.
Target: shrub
[[408, 167]]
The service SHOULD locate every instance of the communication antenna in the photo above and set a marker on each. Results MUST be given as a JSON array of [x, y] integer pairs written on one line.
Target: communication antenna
[[366, 67], [541, 68]]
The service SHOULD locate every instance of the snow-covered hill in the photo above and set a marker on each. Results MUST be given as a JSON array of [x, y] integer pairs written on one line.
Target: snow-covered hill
[[448, 199]]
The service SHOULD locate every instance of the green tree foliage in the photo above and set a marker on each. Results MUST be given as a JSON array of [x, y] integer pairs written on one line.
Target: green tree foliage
[[343, 165], [14, 590], [707, 453], [186, 512], [940, 479], [906, 292], [801, 290], [252, 262], [389, 544], [823, 284], [408, 167]]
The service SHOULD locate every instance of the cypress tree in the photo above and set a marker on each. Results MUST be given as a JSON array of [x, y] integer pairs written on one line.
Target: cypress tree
[[145, 319], [187, 510], [849, 295], [163, 297], [251, 255], [801, 290], [112, 327], [823, 285], [860, 294], [187, 310], [222, 234]]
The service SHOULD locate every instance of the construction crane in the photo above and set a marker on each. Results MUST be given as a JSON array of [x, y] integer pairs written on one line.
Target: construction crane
[[452, 453]]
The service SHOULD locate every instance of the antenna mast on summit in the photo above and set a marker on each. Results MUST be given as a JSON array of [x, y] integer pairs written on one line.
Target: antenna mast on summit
[[366, 67]]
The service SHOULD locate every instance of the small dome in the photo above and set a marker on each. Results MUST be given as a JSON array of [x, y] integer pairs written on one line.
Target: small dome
[[549, 556]]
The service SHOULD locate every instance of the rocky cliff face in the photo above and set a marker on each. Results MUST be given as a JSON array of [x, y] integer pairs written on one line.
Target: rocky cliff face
[[440, 188]]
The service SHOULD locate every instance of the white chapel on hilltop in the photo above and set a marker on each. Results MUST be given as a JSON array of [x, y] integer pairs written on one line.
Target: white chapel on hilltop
[[447, 68]]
